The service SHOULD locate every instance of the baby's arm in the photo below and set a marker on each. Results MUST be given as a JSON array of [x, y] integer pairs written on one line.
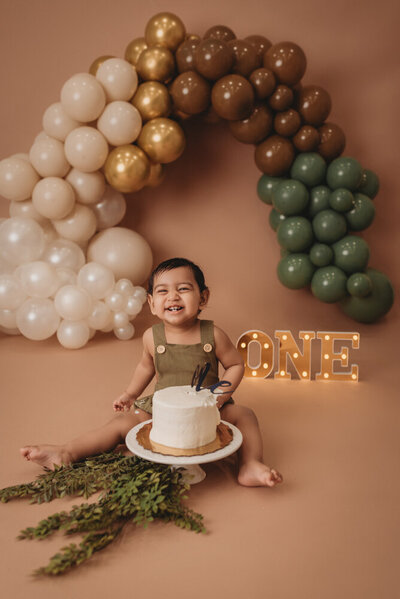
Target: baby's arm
[[142, 375], [231, 360]]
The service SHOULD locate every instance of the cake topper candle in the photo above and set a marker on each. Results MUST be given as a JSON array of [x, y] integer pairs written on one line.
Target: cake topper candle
[[199, 376]]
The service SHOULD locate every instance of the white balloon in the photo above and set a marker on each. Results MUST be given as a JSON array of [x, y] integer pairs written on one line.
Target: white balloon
[[115, 301], [21, 240], [48, 158], [73, 302], [119, 79], [120, 320], [110, 210], [26, 209], [108, 328], [124, 286], [37, 318], [64, 253], [141, 294], [86, 149], [120, 123], [17, 178], [66, 276], [97, 279], [88, 187], [8, 319], [133, 305], [12, 294], [100, 317], [57, 123], [73, 334], [83, 98], [78, 226], [38, 279], [125, 333]]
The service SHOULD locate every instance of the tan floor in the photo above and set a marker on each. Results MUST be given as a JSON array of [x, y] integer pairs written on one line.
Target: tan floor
[[331, 529]]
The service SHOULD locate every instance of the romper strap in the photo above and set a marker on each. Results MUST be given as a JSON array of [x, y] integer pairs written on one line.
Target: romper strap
[[159, 334], [207, 332]]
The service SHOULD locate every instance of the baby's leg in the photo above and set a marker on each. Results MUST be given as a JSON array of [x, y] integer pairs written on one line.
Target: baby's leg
[[102, 439], [252, 471]]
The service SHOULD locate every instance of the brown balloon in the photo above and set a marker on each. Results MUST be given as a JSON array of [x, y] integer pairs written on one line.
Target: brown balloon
[[165, 29], [127, 168], [260, 43], [134, 50], [191, 93], [246, 59], [274, 156], [282, 98], [213, 58], [232, 97], [185, 55], [152, 100], [219, 32], [287, 60], [263, 82], [306, 139], [96, 63], [156, 64], [255, 128], [333, 141], [314, 104], [287, 123], [163, 140]]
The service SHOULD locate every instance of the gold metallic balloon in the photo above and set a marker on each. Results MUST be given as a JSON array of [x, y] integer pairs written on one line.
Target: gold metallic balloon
[[134, 50], [156, 64], [157, 174], [127, 168], [96, 63], [162, 139], [152, 100], [165, 29]]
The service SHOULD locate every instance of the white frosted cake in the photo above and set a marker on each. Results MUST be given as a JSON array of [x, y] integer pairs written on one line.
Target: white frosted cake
[[184, 418]]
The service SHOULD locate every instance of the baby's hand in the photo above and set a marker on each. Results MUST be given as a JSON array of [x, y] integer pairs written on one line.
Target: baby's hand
[[124, 402]]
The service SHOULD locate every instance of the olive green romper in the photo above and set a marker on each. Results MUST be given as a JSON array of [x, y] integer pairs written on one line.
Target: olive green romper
[[175, 363]]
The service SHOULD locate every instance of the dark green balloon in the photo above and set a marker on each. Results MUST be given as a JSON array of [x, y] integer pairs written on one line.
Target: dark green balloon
[[359, 284], [329, 284], [321, 254], [329, 226], [344, 172], [341, 200], [351, 254], [295, 271], [376, 304], [284, 253], [369, 184], [309, 168], [295, 233], [362, 214], [290, 197], [265, 186], [275, 219], [319, 200]]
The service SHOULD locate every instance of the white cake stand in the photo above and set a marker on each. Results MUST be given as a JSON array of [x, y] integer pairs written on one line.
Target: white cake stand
[[193, 473]]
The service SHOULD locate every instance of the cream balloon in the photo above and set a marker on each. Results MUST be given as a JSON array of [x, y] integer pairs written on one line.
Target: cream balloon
[[48, 158], [125, 333], [37, 318], [66, 276], [73, 302], [73, 335], [120, 320], [57, 123], [97, 279], [21, 240], [12, 294], [38, 279], [50, 234], [120, 123], [17, 178], [78, 226], [8, 319], [64, 253], [124, 286], [22, 155], [124, 251], [83, 98], [119, 79], [26, 209], [100, 317], [88, 187], [141, 294], [53, 197], [86, 149], [133, 306], [110, 210], [115, 301]]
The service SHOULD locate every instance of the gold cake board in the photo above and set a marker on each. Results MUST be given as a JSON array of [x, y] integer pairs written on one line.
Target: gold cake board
[[224, 437]]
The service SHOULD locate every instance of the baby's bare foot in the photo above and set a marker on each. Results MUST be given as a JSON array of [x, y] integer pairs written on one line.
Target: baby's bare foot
[[46, 455], [257, 474]]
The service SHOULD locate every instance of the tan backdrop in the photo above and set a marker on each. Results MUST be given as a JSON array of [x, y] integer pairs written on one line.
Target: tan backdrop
[[331, 530]]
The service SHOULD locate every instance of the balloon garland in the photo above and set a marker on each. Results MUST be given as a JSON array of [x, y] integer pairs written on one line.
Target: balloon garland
[[113, 131]]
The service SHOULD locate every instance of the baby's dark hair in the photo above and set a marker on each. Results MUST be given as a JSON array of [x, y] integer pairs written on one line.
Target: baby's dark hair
[[177, 263]]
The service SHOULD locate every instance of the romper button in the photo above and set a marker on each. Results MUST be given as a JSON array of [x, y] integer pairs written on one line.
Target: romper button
[[160, 349], [207, 347]]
